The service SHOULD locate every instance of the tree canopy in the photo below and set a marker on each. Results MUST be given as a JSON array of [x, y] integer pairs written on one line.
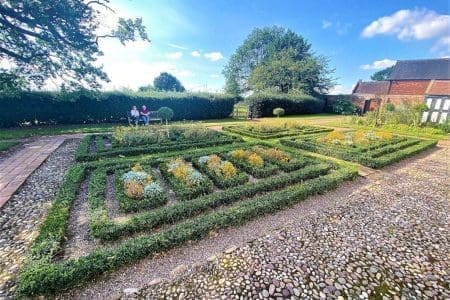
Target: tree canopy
[[59, 39], [276, 58], [381, 75], [168, 82]]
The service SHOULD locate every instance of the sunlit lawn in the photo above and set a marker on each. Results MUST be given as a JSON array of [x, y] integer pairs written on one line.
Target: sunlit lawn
[[328, 120]]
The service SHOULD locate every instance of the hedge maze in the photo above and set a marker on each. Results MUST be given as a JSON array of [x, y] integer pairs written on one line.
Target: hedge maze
[[191, 182]]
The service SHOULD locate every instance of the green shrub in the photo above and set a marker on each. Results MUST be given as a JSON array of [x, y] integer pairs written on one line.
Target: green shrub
[[344, 106], [165, 113], [89, 107], [263, 104], [278, 112]]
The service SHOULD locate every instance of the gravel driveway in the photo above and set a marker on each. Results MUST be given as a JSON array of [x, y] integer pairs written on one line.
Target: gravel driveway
[[385, 238]]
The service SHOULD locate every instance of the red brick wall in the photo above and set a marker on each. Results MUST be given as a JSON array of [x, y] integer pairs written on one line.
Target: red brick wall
[[409, 87], [439, 87], [400, 99]]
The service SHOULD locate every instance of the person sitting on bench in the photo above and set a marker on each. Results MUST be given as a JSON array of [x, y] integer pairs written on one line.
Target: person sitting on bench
[[134, 115], [145, 115]]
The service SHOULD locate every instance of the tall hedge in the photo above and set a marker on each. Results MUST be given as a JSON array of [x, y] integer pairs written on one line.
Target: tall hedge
[[89, 107], [263, 104]]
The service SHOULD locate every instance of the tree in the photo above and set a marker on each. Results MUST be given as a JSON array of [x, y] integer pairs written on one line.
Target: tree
[[274, 47], [165, 113], [168, 82], [11, 83], [59, 39], [381, 75], [146, 88], [284, 73]]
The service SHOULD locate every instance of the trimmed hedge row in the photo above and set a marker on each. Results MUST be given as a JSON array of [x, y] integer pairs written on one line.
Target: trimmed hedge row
[[242, 131], [83, 152], [263, 104], [46, 277], [89, 107], [377, 158]]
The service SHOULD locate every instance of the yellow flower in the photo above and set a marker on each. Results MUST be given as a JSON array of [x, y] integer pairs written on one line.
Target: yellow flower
[[214, 162], [137, 168], [228, 170], [255, 160], [134, 189], [239, 154]]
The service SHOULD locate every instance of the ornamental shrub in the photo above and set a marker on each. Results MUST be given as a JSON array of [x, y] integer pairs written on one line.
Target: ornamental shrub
[[278, 112], [165, 113]]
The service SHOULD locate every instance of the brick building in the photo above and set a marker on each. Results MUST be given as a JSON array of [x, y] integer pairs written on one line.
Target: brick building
[[413, 81]]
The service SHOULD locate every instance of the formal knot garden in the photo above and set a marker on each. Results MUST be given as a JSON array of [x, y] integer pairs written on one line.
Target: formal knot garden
[[150, 189]]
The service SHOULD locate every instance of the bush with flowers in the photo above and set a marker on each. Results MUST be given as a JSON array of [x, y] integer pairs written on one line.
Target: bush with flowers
[[251, 162], [222, 172], [140, 185], [186, 182]]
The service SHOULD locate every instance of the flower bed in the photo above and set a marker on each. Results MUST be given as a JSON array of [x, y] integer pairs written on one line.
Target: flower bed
[[164, 227], [251, 162], [223, 173], [186, 182], [150, 139], [271, 131], [372, 149], [137, 190]]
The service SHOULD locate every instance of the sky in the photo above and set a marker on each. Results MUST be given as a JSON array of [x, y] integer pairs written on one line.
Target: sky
[[193, 39]]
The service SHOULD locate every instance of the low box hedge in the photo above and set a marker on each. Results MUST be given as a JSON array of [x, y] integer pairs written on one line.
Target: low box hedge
[[43, 276]]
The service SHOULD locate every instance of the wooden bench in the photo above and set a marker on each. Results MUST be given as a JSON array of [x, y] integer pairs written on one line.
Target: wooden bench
[[153, 116]]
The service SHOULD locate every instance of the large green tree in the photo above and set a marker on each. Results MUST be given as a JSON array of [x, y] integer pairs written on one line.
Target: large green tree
[[270, 51], [381, 75], [168, 82], [284, 73], [44, 39]]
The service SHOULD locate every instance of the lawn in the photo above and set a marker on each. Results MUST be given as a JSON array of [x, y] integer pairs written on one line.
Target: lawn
[[6, 145]]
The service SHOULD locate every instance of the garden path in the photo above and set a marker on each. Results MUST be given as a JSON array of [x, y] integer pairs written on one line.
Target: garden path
[[18, 167]]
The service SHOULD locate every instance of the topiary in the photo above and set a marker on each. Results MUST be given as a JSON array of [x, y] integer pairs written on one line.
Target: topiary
[[165, 113], [278, 112]]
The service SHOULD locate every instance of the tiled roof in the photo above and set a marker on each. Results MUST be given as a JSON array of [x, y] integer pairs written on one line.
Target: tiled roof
[[371, 87], [421, 69]]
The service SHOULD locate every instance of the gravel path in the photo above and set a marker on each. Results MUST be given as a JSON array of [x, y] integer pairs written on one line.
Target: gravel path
[[21, 215], [79, 242], [388, 239]]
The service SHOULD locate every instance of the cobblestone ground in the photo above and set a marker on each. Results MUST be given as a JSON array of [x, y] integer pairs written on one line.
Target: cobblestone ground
[[387, 240], [21, 215]]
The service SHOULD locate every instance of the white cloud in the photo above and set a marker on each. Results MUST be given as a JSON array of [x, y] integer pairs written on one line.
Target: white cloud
[[379, 64], [405, 24], [326, 24], [176, 46], [213, 56], [340, 89], [174, 55], [196, 53]]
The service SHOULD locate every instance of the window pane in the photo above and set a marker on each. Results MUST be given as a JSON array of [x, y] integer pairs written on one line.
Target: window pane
[[424, 117], [446, 104], [437, 105], [443, 117], [434, 116]]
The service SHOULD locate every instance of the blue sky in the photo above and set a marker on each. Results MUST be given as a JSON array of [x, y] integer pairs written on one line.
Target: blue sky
[[194, 39]]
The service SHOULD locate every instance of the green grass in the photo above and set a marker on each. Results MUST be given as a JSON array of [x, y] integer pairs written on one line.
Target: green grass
[[23, 132], [5, 145], [400, 129]]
